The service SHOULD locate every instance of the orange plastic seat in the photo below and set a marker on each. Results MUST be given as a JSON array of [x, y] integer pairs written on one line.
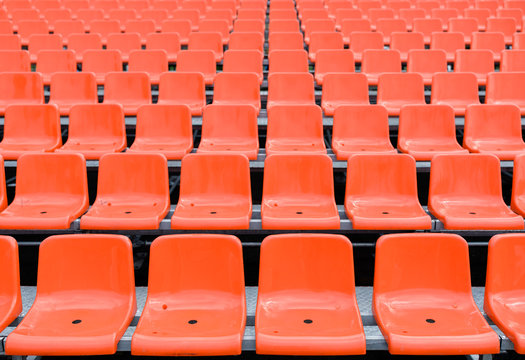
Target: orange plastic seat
[[132, 193], [375, 14], [95, 130], [350, 26], [464, 26], [284, 25], [428, 5], [288, 61], [512, 60], [105, 5], [88, 15], [515, 14], [80, 43], [333, 61], [458, 204], [198, 61], [244, 61], [390, 96], [179, 26], [165, 5], [77, 272], [68, 27], [179, 88], [343, 89], [404, 42], [295, 129], [427, 130], [246, 41], [10, 42], [24, 14], [250, 26], [152, 62], [376, 62], [20, 88], [285, 41], [104, 28], [142, 27], [125, 43], [478, 62], [51, 192], [317, 25], [449, 42], [208, 204], [361, 41], [518, 41], [14, 61], [39, 42], [101, 63], [167, 42], [137, 5], [507, 26], [307, 309], [284, 14], [493, 41], [230, 129], [381, 193], [389, 26], [207, 41], [190, 15], [423, 300], [11, 295], [506, 88], [342, 14], [68, 89], [481, 15], [366, 5], [50, 62], [250, 14], [445, 15], [122, 16], [298, 193], [361, 129], [163, 129], [76, 5], [517, 202], [237, 89], [455, 89], [494, 129], [427, 27], [410, 15], [157, 15], [26, 28], [129, 89], [290, 89], [324, 41], [208, 267], [216, 26], [219, 14]]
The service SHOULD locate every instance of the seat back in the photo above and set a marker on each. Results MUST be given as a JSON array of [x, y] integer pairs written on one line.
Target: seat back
[[80, 43], [10, 41], [101, 62], [425, 122], [492, 122], [288, 61], [243, 61], [153, 62], [381, 61], [505, 262], [360, 122], [448, 42], [97, 123], [202, 61], [493, 41], [22, 87], [237, 88], [479, 62], [285, 41], [246, 41], [230, 121], [125, 43], [389, 85], [295, 122], [505, 87], [164, 122], [180, 86], [127, 86], [14, 61], [78, 86], [426, 62], [169, 42], [333, 61], [350, 87], [9, 265], [513, 60], [451, 87], [206, 41], [291, 87]]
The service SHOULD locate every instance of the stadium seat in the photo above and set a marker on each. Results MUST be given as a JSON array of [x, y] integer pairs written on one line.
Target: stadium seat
[[208, 204], [76, 5], [290, 89], [285, 41], [14, 61], [122, 16], [230, 129], [10, 42], [141, 27], [324, 41], [458, 204], [516, 14], [237, 89], [165, 5], [298, 193], [51, 192], [250, 14], [295, 129], [244, 61], [22, 88], [427, 130], [246, 41], [68, 89], [381, 193], [7, 28], [179, 26], [49, 62], [152, 62], [283, 26], [11, 295], [512, 60], [318, 25], [164, 129], [343, 89], [361, 41], [390, 96], [157, 15], [288, 318], [376, 62], [481, 15], [389, 26], [333, 61], [249, 26], [101, 62], [90, 282], [428, 5], [132, 193], [105, 5], [518, 41], [494, 129], [26, 28], [426, 63], [219, 14], [67, 27], [449, 42], [455, 89], [405, 42], [125, 43], [506, 88], [507, 26], [39, 42], [444, 14], [361, 129], [80, 43], [208, 267], [410, 15], [427, 27], [492, 41], [137, 5], [129, 89], [284, 14], [288, 61], [216, 26], [376, 14], [95, 130], [366, 5], [88, 15], [343, 14], [201, 61], [478, 62], [186, 14], [207, 41], [178, 88], [350, 26], [104, 28], [168, 42], [464, 26], [491, 5], [422, 298]]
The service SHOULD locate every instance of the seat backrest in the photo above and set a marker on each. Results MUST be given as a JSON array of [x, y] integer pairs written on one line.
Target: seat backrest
[[426, 61], [127, 85], [52, 61], [319, 25], [230, 121], [405, 41], [389, 85], [285, 41], [124, 42], [494, 41], [14, 61], [101, 61], [80, 43], [220, 26], [181, 85], [97, 123], [360, 122], [10, 42], [89, 15], [202, 61], [122, 15], [505, 87], [9, 265], [251, 25], [164, 121], [75, 85], [246, 61], [507, 26], [380, 61], [352, 87], [295, 121], [519, 41], [512, 60], [325, 40], [505, 263], [288, 61], [389, 26], [363, 40], [426, 121], [427, 26], [334, 61], [150, 61], [142, 27], [492, 122], [475, 61], [206, 41], [236, 86], [32, 27], [169, 42], [481, 15], [179, 26], [192, 15], [351, 25], [104, 27], [290, 87], [246, 41], [38, 42], [466, 26], [454, 87], [22, 86]]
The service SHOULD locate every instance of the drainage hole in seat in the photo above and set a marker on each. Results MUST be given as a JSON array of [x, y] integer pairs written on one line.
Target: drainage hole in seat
[[76, 321], [43, 212], [472, 213], [127, 212], [430, 321], [299, 212], [308, 321], [385, 213], [192, 322], [213, 212]]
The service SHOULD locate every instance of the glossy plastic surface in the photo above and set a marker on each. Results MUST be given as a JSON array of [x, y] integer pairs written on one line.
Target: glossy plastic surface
[[244, 61], [390, 96], [152, 62], [101, 62], [506, 88], [10, 295], [14, 60], [478, 62], [169, 42], [458, 90], [406, 41], [426, 63], [376, 62], [324, 41], [288, 61], [129, 89], [68, 89], [237, 89], [333, 61], [197, 61], [493, 41], [20, 88], [449, 42], [343, 89], [207, 41], [290, 89], [518, 186], [179, 88]]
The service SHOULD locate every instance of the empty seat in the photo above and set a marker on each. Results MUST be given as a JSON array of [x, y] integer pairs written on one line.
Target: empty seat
[[163, 129], [464, 26], [125, 43], [288, 318], [350, 26], [333, 61], [317, 25], [449, 42], [295, 129], [250, 14], [122, 15], [168, 42], [68, 27], [26, 28], [361, 41], [88, 15], [246, 41], [288, 61], [404, 42], [208, 267], [518, 41], [142, 27], [190, 15], [290, 89], [216, 26], [101, 62], [237, 89], [104, 28], [515, 14], [132, 193], [390, 96], [10, 42], [80, 43], [426, 63], [20, 88], [411, 269], [285, 41], [152, 62], [478, 62], [427, 27], [455, 89], [6, 28], [157, 15], [376, 14], [343, 89], [494, 129], [51, 192], [283, 26], [39, 42], [507, 26], [208, 204], [324, 41], [50, 62], [230, 129], [198, 61], [506, 88], [244, 61], [381, 193], [512, 60], [129, 89], [427, 130], [207, 41], [251, 26], [95, 130], [389, 26], [376, 62], [493, 41], [14, 61], [410, 15], [68, 89], [11, 294], [458, 204], [444, 14], [76, 272], [179, 26], [179, 88]]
